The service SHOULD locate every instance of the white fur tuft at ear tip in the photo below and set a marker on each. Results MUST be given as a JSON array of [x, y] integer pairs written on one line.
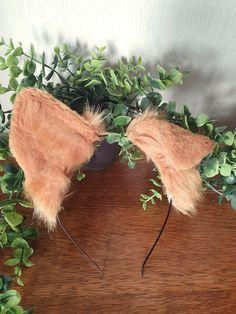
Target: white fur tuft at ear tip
[[44, 215]]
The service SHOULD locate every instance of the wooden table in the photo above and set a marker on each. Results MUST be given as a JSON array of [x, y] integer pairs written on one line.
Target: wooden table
[[193, 269]]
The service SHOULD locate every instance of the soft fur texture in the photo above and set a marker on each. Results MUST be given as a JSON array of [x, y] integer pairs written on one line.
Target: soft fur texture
[[176, 152], [50, 141]]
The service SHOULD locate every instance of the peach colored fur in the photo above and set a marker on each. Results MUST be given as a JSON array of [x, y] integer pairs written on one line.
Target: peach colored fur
[[176, 152], [49, 142]]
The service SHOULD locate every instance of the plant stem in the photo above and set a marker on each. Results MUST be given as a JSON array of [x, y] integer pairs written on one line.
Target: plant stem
[[213, 189]]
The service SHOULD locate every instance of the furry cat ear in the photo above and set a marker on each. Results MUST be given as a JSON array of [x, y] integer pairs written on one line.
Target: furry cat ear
[[49, 141], [182, 148], [176, 152]]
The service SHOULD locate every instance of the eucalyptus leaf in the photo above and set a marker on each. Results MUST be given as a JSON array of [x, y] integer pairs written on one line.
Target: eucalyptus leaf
[[113, 138], [3, 90], [161, 71], [18, 52], [228, 138], [175, 76], [211, 167], [158, 84], [12, 60], [225, 170], [121, 121], [15, 71], [12, 262], [13, 218], [201, 119], [93, 83]]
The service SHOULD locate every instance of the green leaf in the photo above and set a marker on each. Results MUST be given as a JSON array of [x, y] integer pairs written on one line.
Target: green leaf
[[28, 251], [211, 167], [18, 252], [29, 80], [127, 86], [144, 196], [3, 66], [157, 194], [12, 262], [210, 128], [26, 204], [17, 270], [12, 60], [144, 205], [113, 138], [30, 233], [155, 98], [155, 182], [19, 242], [57, 50], [31, 67], [131, 164], [113, 77], [2, 42], [175, 76], [222, 158], [32, 52], [3, 90], [13, 298], [201, 119], [25, 68], [29, 311], [228, 138], [114, 92], [9, 183], [80, 176], [158, 84], [27, 262], [225, 170], [15, 71], [2, 116], [171, 107], [13, 84], [49, 76], [93, 83], [8, 202], [121, 120], [13, 218], [161, 71], [11, 44], [19, 281], [137, 155], [3, 238], [3, 153], [233, 154], [167, 83], [220, 129], [230, 179], [18, 52]]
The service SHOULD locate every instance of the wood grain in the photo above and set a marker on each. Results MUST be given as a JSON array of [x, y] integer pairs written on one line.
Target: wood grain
[[193, 269]]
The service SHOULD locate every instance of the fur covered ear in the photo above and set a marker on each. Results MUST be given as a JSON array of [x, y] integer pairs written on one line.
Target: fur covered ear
[[176, 152], [49, 141]]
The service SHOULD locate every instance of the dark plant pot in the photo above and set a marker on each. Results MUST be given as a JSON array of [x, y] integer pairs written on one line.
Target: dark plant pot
[[104, 156]]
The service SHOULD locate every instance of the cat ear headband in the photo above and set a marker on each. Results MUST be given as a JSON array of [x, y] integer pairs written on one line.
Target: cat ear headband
[[50, 141]]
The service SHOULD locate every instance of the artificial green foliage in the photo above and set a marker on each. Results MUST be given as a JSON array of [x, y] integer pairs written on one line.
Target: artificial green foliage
[[14, 233], [121, 90]]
